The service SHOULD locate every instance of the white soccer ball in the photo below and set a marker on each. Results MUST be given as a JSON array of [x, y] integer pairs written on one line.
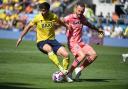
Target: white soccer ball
[[58, 76]]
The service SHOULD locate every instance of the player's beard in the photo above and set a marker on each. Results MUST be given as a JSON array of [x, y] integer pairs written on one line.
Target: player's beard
[[79, 15]]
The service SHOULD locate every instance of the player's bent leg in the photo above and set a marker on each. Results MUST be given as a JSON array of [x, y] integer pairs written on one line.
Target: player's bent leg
[[90, 57], [65, 63], [52, 56], [78, 69], [79, 58], [88, 61], [66, 59], [54, 59], [82, 66]]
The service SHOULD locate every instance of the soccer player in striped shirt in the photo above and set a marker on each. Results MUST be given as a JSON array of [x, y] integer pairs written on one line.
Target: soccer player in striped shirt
[[84, 54]]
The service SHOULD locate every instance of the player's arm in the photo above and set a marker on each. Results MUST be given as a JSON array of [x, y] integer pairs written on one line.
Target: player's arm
[[24, 32], [90, 25], [61, 22], [93, 27], [64, 23]]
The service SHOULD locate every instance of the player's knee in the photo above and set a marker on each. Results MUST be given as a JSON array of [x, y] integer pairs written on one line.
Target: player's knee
[[47, 48], [65, 54], [81, 57], [93, 57]]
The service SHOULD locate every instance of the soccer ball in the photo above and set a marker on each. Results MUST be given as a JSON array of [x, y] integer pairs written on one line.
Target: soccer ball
[[58, 76]]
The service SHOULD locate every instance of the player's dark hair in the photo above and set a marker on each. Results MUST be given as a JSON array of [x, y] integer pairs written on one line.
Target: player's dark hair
[[44, 5], [80, 4]]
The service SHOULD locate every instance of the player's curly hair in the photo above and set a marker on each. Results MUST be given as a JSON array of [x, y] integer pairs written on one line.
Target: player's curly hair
[[44, 5]]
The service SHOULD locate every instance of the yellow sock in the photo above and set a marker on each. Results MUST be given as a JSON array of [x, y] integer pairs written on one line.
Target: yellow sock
[[65, 63], [54, 59]]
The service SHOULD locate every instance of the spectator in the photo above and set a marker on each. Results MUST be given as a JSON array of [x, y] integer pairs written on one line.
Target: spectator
[[89, 14], [63, 6], [115, 18], [126, 6], [4, 25], [100, 19], [1, 24], [107, 30], [29, 9], [55, 7], [126, 32], [108, 18], [118, 30]]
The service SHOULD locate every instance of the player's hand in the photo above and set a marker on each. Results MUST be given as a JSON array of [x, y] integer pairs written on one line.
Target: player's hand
[[18, 42], [101, 33]]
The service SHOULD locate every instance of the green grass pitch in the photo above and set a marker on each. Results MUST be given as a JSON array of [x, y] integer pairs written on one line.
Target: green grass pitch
[[27, 68]]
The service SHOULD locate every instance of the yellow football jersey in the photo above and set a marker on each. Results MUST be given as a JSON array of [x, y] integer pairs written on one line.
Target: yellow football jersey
[[45, 26]]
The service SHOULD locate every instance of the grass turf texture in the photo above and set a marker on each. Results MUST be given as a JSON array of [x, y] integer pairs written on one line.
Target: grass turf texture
[[27, 68]]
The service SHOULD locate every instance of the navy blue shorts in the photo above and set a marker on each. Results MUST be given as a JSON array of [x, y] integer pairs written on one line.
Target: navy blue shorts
[[53, 43]]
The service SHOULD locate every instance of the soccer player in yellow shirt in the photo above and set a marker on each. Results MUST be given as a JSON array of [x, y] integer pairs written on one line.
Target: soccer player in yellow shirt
[[46, 42]]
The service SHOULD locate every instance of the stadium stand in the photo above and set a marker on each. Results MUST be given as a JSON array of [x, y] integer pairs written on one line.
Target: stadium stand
[[15, 14]]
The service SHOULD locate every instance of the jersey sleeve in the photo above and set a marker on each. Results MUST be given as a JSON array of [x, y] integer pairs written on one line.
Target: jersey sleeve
[[66, 19], [83, 19], [34, 21], [55, 18]]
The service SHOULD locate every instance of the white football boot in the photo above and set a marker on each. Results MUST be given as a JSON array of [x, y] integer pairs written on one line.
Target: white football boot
[[78, 73], [68, 79]]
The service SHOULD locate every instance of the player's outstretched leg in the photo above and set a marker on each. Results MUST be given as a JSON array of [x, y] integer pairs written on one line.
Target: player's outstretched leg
[[87, 61], [63, 53], [53, 57], [76, 62], [66, 63]]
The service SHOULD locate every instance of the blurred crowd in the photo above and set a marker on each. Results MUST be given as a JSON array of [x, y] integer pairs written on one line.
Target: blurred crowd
[[15, 14]]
